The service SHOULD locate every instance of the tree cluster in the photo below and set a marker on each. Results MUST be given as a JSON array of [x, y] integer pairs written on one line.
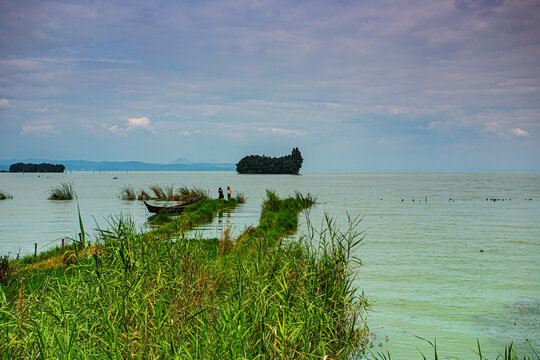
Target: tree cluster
[[43, 167], [256, 164]]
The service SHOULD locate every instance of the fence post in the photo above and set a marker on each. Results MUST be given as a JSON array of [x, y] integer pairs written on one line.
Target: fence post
[[35, 249]]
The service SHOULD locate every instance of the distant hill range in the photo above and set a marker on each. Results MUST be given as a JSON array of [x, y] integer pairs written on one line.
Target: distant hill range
[[84, 165]]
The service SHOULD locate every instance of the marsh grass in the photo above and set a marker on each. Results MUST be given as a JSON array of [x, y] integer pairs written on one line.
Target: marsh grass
[[164, 193], [186, 194], [128, 193], [160, 295], [4, 195], [64, 191], [160, 218], [143, 195], [510, 352], [240, 197]]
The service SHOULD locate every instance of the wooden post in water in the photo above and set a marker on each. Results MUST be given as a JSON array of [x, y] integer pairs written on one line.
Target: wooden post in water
[[80, 237], [62, 243], [35, 249]]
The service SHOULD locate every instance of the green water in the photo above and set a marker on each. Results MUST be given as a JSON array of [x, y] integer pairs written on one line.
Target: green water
[[450, 265]]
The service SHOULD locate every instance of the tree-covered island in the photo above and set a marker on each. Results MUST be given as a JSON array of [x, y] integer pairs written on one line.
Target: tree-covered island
[[257, 164], [43, 167]]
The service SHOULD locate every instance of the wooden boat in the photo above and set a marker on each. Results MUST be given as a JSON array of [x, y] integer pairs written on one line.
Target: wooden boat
[[175, 209]]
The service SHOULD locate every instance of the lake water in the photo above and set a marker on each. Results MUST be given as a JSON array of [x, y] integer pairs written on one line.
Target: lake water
[[448, 265]]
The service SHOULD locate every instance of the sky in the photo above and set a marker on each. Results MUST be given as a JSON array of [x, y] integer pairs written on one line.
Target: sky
[[356, 85]]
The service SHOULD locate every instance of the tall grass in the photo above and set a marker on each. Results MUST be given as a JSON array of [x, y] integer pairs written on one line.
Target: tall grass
[[186, 194], [510, 352], [164, 193], [128, 193], [240, 197], [4, 195], [64, 191], [160, 295]]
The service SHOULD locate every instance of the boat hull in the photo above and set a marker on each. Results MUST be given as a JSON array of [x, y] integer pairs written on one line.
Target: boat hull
[[175, 209]]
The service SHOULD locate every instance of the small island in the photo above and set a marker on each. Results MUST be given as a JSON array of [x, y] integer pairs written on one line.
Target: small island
[[257, 164], [42, 168]]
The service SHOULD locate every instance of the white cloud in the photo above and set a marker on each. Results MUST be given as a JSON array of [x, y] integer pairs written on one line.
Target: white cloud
[[492, 127], [184, 133], [282, 131], [39, 129], [133, 124], [115, 129], [143, 122], [4, 103], [519, 132]]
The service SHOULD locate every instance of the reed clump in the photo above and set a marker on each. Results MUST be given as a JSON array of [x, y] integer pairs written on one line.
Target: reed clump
[[240, 197], [128, 193], [187, 194], [64, 191], [510, 352], [164, 193], [4, 195], [143, 195]]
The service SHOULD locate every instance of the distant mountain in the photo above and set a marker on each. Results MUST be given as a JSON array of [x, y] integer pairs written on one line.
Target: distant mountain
[[182, 160], [84, 165]]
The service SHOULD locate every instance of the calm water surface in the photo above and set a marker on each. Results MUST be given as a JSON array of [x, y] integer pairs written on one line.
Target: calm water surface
[[450, 265]]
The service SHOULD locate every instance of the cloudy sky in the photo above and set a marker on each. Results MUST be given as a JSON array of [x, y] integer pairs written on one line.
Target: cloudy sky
[[357, 85]]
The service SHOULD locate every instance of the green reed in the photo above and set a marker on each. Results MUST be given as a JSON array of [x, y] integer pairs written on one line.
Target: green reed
[[240, 197], [128, 193], [4, 195], [64, 191], [510, 352], [186, 194], [161, 295], [164, 193]]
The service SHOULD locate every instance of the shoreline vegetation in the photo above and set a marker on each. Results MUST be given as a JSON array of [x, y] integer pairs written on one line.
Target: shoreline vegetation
[[160, 294], [163, 193], [256, 164], [169, 193]]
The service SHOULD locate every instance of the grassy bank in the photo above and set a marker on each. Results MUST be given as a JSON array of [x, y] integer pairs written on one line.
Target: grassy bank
[[160, 295]]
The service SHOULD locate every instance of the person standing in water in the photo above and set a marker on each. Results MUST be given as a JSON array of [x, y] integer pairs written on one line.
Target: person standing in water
[[229, 193], [221, 197]]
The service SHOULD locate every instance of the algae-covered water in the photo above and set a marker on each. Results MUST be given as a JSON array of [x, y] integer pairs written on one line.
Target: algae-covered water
[[440, 261]]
